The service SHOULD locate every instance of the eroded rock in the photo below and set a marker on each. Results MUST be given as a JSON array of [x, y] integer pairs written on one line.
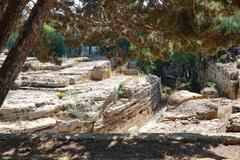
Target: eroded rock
[[182, 126], [28, 126], [201, 109], [234, 123], [99, 73], [224, 75], [144, 99], [107, 105], [75, 104], [209, 92], [194, 116], [44, 81], [182, 96]]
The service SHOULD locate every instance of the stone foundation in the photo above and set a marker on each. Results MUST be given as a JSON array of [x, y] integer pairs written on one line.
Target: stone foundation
[[63, 99], [224, 75]]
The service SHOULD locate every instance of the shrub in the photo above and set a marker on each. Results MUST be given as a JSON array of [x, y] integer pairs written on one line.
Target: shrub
[[212, 85], [61, 95], [120, 90], [148, 67], [80, 111]]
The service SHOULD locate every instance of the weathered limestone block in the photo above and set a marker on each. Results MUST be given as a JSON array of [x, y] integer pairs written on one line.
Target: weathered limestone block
[[94, 103], [234, 123], [224, 108], [31, 113], [43, 80], [144, 98], [209, 92], [49, 82], [182, 126], [99, 73], [34, 64], [30, 104], [83, 68], [194, 116], [201, 109], [224, 75], [80, 69], [182, 96], [85, 106], [27, 126]]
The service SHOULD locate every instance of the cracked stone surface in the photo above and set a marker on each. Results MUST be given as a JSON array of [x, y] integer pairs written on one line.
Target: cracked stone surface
[[60, 99], [192, 116], [179, 97], [64, 99]]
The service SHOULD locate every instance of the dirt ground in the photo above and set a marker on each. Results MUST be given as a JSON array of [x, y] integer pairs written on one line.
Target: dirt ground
[[125, 149]]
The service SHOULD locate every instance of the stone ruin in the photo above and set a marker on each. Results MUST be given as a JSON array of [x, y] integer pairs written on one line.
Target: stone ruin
[[223, 69], [84, 95], [81, 95]]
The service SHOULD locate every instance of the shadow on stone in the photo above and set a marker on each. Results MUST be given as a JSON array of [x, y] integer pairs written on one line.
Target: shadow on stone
[[116, 146]]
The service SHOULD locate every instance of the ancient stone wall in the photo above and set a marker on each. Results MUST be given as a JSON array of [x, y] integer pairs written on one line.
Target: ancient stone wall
[[63, 99], [224, 75]]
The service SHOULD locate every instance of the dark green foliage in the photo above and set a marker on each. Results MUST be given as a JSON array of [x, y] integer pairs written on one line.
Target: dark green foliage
[[179, 72], [60, 46], [148, 67], [228, 24], [180, 61], [51, 45], [56, 40], [212, 85]]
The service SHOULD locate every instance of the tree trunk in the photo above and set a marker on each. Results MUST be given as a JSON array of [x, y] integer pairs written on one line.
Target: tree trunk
[[24, 44], [3, 4], [9, 19]]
